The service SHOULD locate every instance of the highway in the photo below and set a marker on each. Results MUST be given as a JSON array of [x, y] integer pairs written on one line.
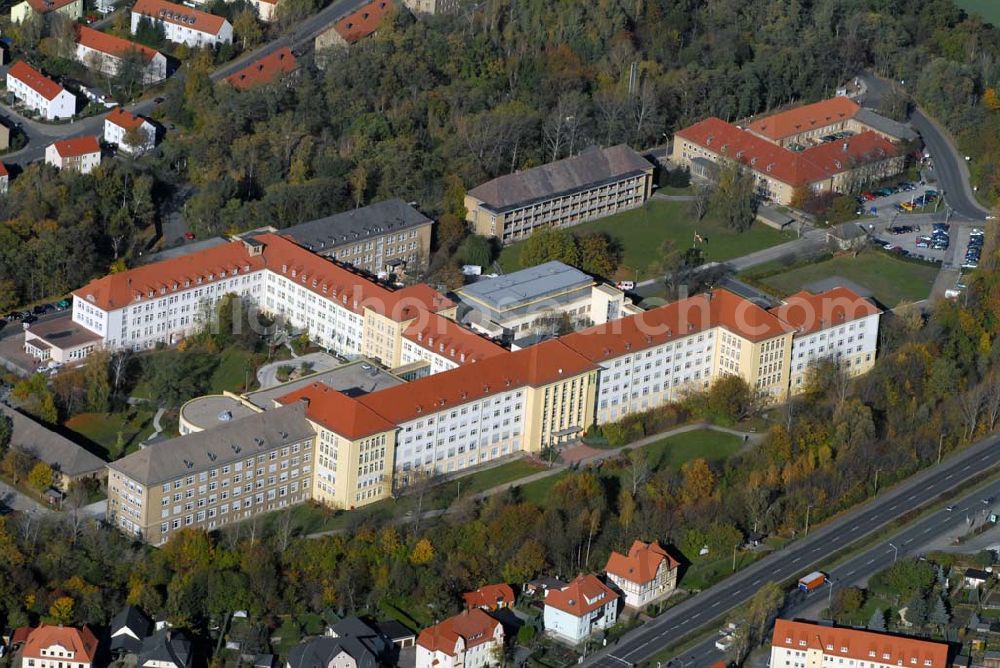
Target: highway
[[809, 553]]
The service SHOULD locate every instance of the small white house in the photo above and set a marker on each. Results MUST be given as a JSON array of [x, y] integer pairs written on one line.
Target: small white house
[[38, 92], [120, 126], [467, 640], [583, 606], [80, 154]]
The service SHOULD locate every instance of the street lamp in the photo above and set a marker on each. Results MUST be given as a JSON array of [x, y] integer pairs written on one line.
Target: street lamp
[[808, 508], [895, 552], [829, 596]]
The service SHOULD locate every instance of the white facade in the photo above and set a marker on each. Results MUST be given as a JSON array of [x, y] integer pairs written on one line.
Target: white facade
[[577, 628], [83, 163], [63, 105], [185, 34], [107, 63], [331, 323], [55, 656], [411, 352], [852, 344], [115, 134], [479, 655], [807, 657]]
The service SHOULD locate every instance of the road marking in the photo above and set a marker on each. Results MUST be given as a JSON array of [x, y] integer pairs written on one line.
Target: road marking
[[757, 581], [926, 530], [907, 541], [715, 605], [949, 476], [696, 615], [892, 507], [911, 497], [967, 467], [796, 560], [870, 561], [851, 573]]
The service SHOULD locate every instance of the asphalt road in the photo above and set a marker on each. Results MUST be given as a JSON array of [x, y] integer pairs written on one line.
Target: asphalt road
[[808, 554]]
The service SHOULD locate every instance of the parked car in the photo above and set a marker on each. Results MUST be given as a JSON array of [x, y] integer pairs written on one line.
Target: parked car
[[29, 318], [923, 242], [868, 196]]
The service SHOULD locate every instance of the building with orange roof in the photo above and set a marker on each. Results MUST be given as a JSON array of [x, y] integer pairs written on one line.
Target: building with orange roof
[[837, 324], [812, 645], [844, 163], [471, 639], [58, 646], [490, 597], [133, 135], [800, 124], [647, 573], [20, 11], [577, 610], [264, 70], [78, 154], [359, 24], [182, 24], [38, 92], [104, 53]]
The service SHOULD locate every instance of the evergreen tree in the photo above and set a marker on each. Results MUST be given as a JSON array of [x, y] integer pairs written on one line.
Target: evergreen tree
[[916, 610], [939, 614], [877, 622]]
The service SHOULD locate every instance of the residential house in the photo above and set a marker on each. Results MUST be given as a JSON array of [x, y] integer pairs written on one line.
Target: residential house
[[973, 577], [79, 154], [579, 609], [490, 597], [265, 70], [58, 646], [471, 639], [39, 93], [132, 134], [4, 179], [166, 648], [21, 11], [811, 644], [645, 574], [105, 53], [128, 629], [182, 24], [596, 183], [355, 26], [350, 643], [397, 633]]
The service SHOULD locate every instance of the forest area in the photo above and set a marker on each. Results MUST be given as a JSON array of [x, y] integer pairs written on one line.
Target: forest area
[[427, 107]]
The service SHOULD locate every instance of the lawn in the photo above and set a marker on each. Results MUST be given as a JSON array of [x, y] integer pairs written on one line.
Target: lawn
[[988, 9], [641, 231], [232, 372], [676, 450], [891, 280], [102, 430]]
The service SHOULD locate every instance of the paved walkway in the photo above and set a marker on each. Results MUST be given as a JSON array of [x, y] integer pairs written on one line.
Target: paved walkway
[[11, 499], [267, 375]]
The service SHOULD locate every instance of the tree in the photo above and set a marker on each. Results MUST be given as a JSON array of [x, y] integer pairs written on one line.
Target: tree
[[729, 399], [6, 430], [599, 254], [847, 602], [547, 244], [638, 468], [246, 25], [422, 553], [129, 76], [734, 199], [877, 621], [939, 614], [698, 481], [17, 464], [916, 610], [41, 476], [61, 610], [98, 385], [475, 250]]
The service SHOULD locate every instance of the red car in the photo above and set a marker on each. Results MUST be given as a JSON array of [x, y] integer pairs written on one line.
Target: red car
[[868, 196], [189, 236]]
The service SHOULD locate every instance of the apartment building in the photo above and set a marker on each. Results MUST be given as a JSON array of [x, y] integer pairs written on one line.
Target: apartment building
[[132, 134], [268, 69], [212, 478], [354, 27], [535, 300], [836, 325], [596, 183], [844, 164], [182, 24], [104, 53], [809, 645], [21, 11], [432, 6], [57, 646], [470, 639], [79, 154], [39, 93], [384, 238]]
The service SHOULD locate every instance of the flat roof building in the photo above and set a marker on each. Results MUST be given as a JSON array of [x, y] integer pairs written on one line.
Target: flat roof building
[[596, 183]]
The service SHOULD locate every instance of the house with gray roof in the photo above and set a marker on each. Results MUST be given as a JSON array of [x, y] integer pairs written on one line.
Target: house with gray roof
[[167, 648], [390, 233], [595, 183], [350, 643], [888, 128], [128, 629], [69, 460]]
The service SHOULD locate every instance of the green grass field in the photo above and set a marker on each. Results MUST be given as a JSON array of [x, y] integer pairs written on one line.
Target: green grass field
[[988, 9], [641, 231], [235, 367], [674, 451], [891, 280], [102, 430]]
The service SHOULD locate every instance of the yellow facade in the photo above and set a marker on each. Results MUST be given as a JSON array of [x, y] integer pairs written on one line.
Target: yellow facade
[[353, 473], [383, 338], [22, 10], [559, 412]]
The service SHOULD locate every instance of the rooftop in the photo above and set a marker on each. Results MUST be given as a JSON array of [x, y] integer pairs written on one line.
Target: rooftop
[[77, 146], [806, 117], [809, 312], [46, 6], [264, 70], [900, 131], [124, 119], [214, 410], [387, 216], [581, 596], [448, 339], [475, 627], [641, 563], [35, 80], [511, 291], [490, 596], [81, 642], [338, 412], [63, 333], [354, 380], [225, 444], [52, 448], [854, 644], [591, 167], [363, 22], [110, 44], [181, 15]]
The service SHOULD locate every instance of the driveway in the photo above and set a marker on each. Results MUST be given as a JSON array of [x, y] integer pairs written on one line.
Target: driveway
[[11, 499], [267, 375]]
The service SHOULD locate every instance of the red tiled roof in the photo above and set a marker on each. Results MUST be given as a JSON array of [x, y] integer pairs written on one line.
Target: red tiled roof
[[77, 146], [35, 80], [109, 44], [410, 302], [490, 596], [338, 412], [79, 641], [264, 70], [3, 170], [676, 320], [475, 627], [363, 22], [20, 634], [448, 339], [860, 645], [801, 119], [171, 13], [535, 366], [809, 312], [125, 119], [642, 562], [46, 6], [791, 167], [583, 595]]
